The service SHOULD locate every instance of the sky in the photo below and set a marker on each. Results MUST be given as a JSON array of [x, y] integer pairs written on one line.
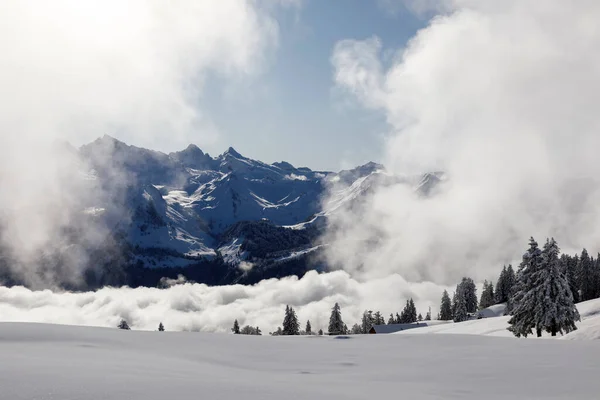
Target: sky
[[292, 112], [289, 109]]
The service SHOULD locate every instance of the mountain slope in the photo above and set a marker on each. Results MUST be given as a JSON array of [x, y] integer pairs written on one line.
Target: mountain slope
[[216, 220]]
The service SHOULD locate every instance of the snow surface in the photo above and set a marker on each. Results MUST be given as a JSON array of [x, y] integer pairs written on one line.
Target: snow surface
[[54, 362], [495, 324]]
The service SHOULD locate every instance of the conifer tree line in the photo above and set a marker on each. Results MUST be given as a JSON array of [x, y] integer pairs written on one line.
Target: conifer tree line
[[540, 296], [291, 325]]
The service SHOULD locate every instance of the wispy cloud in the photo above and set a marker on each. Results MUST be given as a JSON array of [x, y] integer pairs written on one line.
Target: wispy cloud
[[501, 96], [76, 70]]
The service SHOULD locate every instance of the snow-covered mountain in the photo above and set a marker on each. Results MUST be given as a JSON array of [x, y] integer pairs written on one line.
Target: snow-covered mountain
[[218, 219]]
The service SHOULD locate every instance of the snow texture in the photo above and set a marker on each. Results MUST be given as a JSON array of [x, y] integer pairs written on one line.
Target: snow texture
[[54, 362]]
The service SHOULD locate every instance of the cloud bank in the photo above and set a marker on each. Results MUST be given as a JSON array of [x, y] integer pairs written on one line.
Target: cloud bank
[[501, 96], [198, 307]]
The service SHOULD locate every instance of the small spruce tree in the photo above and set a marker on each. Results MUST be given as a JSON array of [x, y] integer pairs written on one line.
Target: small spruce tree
[[290, 322], [391, 320], [487, 295], [161, 327], [308, 328], [236, 327], [460, 305], [336, 325], [445, 307], [123, 325]]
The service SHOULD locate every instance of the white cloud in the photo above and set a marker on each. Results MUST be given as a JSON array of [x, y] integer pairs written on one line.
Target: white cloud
[[76, 70], [200, 307], [502, 96]]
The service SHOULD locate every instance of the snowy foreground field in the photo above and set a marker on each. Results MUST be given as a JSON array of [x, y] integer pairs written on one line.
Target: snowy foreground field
[[54, 362]]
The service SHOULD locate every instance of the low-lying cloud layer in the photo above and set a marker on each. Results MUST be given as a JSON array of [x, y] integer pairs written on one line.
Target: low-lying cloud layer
[[202, 308], [501, 96]]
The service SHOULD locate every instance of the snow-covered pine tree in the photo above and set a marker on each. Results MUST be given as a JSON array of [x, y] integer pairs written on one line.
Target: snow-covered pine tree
[[469, 291], [356, 329], [445, 307], [308, 329], [555, 311], [500, 295], [290, 322], [294, 324], [460, 305], [568, 267], [391, 320], [524, 298], [412, 317], [398, 318], [487, 295], [345, 330], [378, 319], [336, 325], [320, 332], [236, 327], [366, 323], [428, 315], [123, 325], [510, 281], [585, 273], [161, 327], [419, 317]]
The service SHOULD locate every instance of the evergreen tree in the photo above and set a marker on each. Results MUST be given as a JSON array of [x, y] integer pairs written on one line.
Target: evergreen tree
[[568, 267], [320, 332], [290, 322], [469, 290], [460, 304], [398, 319], [413, 311], [378, 319], [428, 315], [356, 329], [308, 328], [345, 330], [236, 327], [487, 295], [161, 327], [445, 307], [336, 325], [500, 295], [555, 310], [585, 271], [419, 317], [123, 325], [366, 322], [391, 321], [523, 299], [409, 314]]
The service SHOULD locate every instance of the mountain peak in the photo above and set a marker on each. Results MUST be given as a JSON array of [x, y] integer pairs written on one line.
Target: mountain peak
[[232, 152]]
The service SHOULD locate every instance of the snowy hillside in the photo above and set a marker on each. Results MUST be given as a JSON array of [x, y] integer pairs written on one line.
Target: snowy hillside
[[495, 324], [56, 362]]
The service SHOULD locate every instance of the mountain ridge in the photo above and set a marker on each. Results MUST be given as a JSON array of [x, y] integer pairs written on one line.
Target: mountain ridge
[[216, 220]]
